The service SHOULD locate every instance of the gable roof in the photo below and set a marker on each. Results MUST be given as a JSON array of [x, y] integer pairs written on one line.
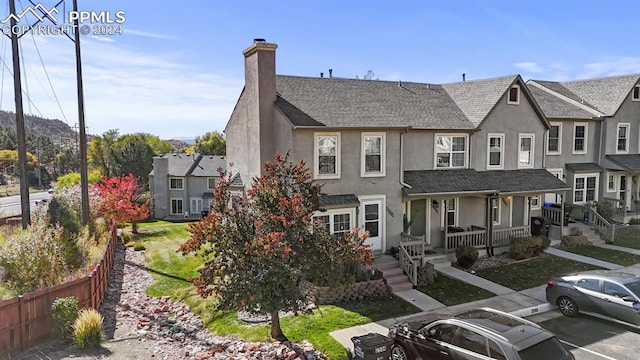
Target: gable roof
[[554, 107], [605, 94], [630, 162], [181, 164]]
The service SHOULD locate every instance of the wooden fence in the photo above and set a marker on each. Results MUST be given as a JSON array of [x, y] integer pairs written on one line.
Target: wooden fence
[[26, 319]]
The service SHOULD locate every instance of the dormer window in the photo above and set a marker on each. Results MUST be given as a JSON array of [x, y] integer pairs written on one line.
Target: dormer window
[[513, 97], [635, 96]]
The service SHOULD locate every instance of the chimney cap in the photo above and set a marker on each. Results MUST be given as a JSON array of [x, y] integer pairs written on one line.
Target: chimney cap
[[259, 40]]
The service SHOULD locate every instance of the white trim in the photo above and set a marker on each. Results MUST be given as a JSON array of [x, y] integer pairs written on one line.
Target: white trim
[[586, 136], [383, 156], [615, 181], [539, 205], [383, 216], [502, 143], [171, 206], [499, 215], [633, 98], [517, 101], [316, 163], [181, 183], [585, 176], [191, 205], [531, 152], [339, 211], [456, 213], [628, 132], [559, 151], [559, 173], [214, 183], [435, 150]]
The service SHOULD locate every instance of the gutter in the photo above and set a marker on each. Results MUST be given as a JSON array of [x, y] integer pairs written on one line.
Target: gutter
[[404, 184]]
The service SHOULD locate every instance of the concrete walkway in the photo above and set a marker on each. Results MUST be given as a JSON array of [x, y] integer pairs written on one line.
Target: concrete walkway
[[621, 248], [584, 259]]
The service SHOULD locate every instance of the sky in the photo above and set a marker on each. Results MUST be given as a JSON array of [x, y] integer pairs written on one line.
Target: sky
[[177, 69]]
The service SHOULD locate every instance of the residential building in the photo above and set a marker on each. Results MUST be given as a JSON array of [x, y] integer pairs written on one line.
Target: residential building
[[450, 164], [181, 185]]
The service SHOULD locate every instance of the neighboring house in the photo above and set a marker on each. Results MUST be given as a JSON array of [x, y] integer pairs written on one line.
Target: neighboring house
[[594, 142], [459, 163], [182, 185]]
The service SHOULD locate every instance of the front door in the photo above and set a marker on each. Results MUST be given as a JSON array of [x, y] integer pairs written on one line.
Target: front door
[[196, 205], [372, 213]]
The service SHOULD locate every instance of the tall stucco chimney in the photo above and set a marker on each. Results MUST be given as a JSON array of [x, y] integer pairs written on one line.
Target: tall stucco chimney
[[260, 92]]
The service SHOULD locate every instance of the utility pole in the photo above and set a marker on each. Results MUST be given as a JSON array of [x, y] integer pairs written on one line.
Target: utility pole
[[20, 133], [84, 179]]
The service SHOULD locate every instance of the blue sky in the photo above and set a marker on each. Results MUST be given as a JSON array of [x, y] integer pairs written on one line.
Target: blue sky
[[177, 70]]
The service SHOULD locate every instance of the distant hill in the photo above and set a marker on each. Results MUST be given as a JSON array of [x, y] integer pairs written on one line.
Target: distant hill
[[35, 125]]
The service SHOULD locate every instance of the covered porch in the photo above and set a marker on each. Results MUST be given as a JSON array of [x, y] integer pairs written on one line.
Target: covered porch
[[623, 186]]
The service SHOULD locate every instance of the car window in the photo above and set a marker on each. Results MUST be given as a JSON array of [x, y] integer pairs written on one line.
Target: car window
[[471, 341], [443, 332], [614, 289], [495, 351], [548, 349], [589, 284], [634, 287]]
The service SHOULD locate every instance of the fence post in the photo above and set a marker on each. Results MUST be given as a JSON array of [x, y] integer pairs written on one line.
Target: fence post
[[23, 324]]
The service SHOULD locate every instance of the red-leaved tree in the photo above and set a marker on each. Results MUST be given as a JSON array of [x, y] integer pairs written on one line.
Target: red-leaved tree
[[123, 200], [257, 249]]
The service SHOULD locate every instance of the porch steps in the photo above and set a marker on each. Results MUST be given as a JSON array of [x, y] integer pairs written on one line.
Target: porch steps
[[593, 237], [440, 263], [392, 273]]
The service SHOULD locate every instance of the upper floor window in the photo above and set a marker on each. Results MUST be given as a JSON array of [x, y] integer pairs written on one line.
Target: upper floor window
[[525, 151], [636, 93], [327, 156], [495, 151], [514, 95], [373, 154], [554, 139], [211, 183], [580, 138], [623, 138], [451, 151], [176, 184]]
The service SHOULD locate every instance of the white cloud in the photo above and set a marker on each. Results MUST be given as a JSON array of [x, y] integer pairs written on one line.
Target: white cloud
[[530, 66], [125, 88], [611, 66]]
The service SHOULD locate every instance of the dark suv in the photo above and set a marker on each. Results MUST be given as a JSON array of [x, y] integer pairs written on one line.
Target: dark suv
[[474, 334]]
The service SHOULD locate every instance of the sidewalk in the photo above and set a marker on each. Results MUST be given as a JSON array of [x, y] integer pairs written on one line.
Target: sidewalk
[[520, 303]]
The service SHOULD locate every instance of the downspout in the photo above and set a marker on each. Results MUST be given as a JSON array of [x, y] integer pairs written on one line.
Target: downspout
[[402, 158]]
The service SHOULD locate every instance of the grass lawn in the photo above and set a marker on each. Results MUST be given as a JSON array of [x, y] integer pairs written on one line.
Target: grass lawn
[[170, 269], [612, 256], [450, 291], [628, 237], [531, 273]]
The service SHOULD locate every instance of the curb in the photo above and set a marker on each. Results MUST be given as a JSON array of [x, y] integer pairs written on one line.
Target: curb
[[533, 310]]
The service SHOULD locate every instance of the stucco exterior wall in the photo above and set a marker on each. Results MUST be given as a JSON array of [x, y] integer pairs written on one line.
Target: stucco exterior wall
[[567, 156]]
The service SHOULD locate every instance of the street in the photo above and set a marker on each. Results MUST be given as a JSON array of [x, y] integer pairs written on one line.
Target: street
[[10, 205]]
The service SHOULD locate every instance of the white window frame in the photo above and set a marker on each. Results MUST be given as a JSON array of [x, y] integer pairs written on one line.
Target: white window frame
[[518, 92], [209, 187], [531, 152], [191, 209], [333, 212], [435, 151], [633, 92], [383, 151], [559, 173], [586, 136], [176, 188], [626, 144], [501, 137], [456, 212], [585, 176], [559, 151], [316, 166], [496, 221], [614, 177], [171, 200], [537, 205]]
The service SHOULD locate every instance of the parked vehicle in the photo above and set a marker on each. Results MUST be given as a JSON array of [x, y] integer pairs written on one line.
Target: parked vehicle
[[606, 294], [474, 334]]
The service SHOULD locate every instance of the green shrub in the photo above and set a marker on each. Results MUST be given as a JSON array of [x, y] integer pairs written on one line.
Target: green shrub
[[426, 275], [466, 256], [87, 329], [60, 212], [139, 247], [527, 247], [64, 312], [634, 222], [126, 237]]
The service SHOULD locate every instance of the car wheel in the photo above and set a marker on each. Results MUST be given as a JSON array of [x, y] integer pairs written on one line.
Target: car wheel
[[398, 353], [567, 306]]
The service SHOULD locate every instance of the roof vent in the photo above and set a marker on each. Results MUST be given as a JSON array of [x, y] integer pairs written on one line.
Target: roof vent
[[464, 77], [399, 83], [330, 73], [321, 74]]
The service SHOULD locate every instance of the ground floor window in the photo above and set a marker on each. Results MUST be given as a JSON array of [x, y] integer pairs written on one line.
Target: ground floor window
[[495, 211], [450, 212], [176, 207], [336, 221], [196, 205], [585, 189]]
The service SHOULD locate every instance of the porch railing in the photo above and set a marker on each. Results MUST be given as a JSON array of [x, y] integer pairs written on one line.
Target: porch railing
[[602, 226], [501, 237], [552, 213], [412, 249], [478, 238]]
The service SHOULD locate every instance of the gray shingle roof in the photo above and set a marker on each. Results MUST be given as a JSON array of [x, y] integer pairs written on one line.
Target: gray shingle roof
[[484, 182], [562, 90], [630, 162], [210, 165], [477, 97], [181, 164], [582, 167], [338, 200], [554, 107], [338, 102]]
